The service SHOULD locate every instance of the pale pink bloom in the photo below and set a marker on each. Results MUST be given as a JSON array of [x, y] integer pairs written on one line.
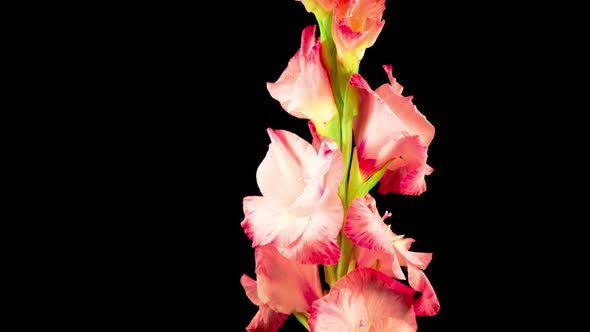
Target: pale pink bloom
[[304, 89], [389, 127], [356, 25], [299, 212], [314, 6], [365, 300], [265, 320], [379, 247]]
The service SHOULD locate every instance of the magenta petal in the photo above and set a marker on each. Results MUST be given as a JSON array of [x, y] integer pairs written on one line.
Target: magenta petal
[[284, 285], [427, 304]]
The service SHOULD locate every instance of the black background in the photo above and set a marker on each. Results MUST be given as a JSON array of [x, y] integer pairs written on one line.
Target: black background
[[188, 112]]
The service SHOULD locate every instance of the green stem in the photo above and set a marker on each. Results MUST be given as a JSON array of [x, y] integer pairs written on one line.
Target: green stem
[[346, 247], [302, 319], [330, 274]]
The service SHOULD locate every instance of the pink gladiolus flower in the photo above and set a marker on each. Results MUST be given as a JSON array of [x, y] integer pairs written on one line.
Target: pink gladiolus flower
[[365, 300], [356, 25], [390, 128], [304, 89], [299, 212], [379, 247], [265, 320]]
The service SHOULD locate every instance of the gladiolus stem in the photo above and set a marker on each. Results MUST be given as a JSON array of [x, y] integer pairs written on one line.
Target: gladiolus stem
[[330, 274], [345, 254]]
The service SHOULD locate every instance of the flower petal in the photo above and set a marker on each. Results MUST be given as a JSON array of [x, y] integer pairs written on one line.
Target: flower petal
[[283, 285], [316, 139], [360, 298], [317, 245], [405, 110], [266, 320], [284, 167], [326, 170], [418, 259], [375, 127], [384, 262], [304, 89], [389, 128], [340, 310], [249, 285], [405, 181], [356, 25], [393, 324], [266, 223], [366, 228], [426, 304], [300, 212]]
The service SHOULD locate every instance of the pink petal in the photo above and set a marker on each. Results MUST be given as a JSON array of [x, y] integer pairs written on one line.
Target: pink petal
[[361, 298], [389, 127], [300, 213], [418, 259], [325, 170], [404, 243], [304, 89], [284, 166], [393, 324], [316, 139], [329, 150], [249, 285], [266, 320], [405, 181], [376, 128], [405, 110], [365, 227], [356, 25], [340, 310], [266, 223], [427, 304], [386, 263], [317, 245], [283, 285]]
